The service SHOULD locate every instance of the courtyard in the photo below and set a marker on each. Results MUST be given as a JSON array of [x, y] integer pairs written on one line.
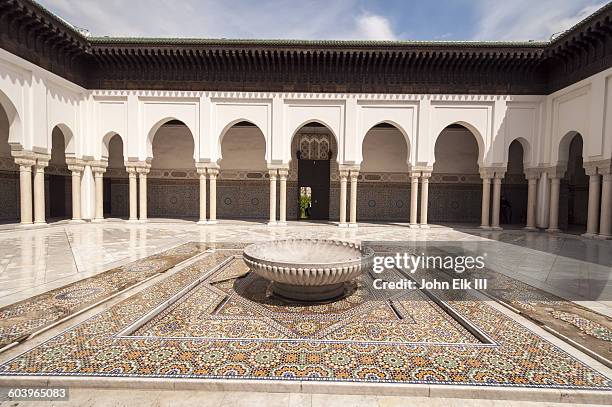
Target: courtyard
[[171, 305]]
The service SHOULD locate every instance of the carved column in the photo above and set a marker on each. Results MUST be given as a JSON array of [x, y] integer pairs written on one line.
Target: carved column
[[25, 189], [593, 208], [202, 175], [142, 179], [272, 220], [414, 198], [496, 200], [555, 175], [212, 174], [354, 174], [133, 193], [98, 171], [343, 176], [605, 222], [532, 176], [39, 190], [77, 170], [424, 197], [486, 176], [283, 173]]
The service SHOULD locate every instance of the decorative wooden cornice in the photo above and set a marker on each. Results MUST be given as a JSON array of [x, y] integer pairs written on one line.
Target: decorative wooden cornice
[[191, 64]]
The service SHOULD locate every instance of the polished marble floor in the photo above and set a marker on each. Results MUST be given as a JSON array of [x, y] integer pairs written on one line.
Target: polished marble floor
[[37, 260], [228, 327]]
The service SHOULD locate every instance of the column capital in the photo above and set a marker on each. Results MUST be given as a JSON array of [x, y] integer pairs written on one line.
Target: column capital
[[25, 161], [604, 167], [283, 173], [354, 175], [42, 159], [590, 167], [273, 172], [24, 158], [76, 168], [343, 174], [414, 174], [425, 175], [213, 172], [533, 173], [130, 170], [556, 171], [492, 172], [349, 167], [143, 170]]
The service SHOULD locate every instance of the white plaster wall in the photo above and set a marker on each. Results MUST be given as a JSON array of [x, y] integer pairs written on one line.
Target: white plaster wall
[[37, 100], [227, 113], [522, 124], [156, 111], [477, 117], [402, 116]]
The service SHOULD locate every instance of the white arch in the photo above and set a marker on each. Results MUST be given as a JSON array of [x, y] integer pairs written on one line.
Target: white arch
[[527, 151], [398, 127], [473, 129], [564, 146], [105, 144], [69, 141], [231, 124], [15, 127], [155, 128], [306, 122]]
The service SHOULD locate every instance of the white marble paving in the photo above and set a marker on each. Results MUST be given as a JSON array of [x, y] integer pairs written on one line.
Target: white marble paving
[[34, 260], [157, 398]]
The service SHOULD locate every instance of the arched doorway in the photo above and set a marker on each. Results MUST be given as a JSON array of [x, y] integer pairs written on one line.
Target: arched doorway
[[172, 186], [243, 186], [574, 192], [58, 178], [313, 190], [9, 174], [384, 188], [455, 190], [513, 208], [116, 189]]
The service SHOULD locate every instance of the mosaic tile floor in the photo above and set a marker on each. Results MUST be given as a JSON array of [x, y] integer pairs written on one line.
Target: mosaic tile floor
[[19, 320], [370, 337]]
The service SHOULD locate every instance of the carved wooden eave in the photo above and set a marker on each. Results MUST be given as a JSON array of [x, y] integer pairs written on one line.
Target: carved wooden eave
[[30, 31]]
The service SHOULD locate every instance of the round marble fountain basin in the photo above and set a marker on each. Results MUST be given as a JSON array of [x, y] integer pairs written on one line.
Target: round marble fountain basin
[[308, 269]]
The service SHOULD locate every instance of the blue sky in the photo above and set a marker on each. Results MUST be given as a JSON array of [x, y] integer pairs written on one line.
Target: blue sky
[[328, 19]]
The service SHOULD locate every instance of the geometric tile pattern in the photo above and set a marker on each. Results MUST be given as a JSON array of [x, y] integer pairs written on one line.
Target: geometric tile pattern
[[19, 320], [96, 347], [232, 304]]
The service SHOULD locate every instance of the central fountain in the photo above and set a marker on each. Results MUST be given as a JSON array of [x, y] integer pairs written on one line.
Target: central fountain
[[309, 270]]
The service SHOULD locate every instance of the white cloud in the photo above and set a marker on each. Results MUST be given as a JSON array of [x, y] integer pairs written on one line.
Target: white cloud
[[374, 27], [306, 19], [529, 19]]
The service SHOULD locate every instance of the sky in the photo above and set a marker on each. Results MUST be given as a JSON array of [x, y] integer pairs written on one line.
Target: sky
[[447, 20]]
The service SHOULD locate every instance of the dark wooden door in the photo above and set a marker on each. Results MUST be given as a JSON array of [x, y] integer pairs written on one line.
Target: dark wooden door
[[315, 174]]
